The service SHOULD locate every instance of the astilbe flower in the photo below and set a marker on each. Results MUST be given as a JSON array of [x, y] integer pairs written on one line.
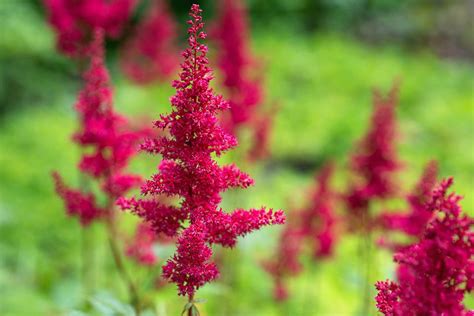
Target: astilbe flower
[[286, 262], [140, 247], [106, 139], [314, 225], [74, 21], [262, 131], [319, 220], [189, 171], [438, 270], [374, 161], [414, 221], [239, 69], [149, 54], [80, 204]]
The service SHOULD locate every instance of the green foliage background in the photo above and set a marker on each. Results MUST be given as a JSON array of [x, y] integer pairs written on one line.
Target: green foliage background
[[322, 81]]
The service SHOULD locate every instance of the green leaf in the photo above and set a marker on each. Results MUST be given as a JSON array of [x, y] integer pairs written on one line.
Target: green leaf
[[199, 300], [187, 307], [194, 311]]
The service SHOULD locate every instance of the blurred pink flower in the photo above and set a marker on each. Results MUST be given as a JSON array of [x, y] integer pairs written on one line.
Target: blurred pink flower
[[413, 222], [78, 203], [319, 220], [74, 21], [315, 225], [141, 246], [374, 162], [150, 53], [241, 77], [107, 141]]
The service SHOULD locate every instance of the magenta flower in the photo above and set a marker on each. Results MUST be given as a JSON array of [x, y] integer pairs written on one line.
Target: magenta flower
[[74, 21], [414, 221], [106, 138], [436, 273], [286, 262], [79, 204], [374, 161], [189, 171], [387, 297], [150, 53], [314, 225], [319, 220], [262, 131], [239, 71], [141, 246]]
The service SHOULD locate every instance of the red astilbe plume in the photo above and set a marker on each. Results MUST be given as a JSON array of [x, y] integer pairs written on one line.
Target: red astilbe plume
[[286, 262], [314, 225], [262, 132], [79, 204], [106, 138], [374, 161], [140, 247], [319, 220], [239, 71], [189, 171], [438, 271], [414, 221], [150, 53], [74, 21]]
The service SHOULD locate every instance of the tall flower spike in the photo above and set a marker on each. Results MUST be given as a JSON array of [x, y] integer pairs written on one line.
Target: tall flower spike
[[106, 136], [189, 171], [375, 159], [239, 71], [438, 271], [414, 221], [286, 262], [150, 52], [319, 220], [74, 21], [315, 225]]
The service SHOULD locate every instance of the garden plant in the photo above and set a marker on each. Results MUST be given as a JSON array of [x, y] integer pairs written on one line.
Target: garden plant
[[132, 132]]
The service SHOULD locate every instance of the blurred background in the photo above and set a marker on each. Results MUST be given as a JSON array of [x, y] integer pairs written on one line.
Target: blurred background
[[321, 60]]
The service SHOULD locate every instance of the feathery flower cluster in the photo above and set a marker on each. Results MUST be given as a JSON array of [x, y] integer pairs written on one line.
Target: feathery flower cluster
[[438, 271], [106, 136], [286, 263], [413, 223], [263, 125], [237, 65], [375, 159], [78, 203], [189, 171], [150, 52], [141, 246], [315, 225], [318, 220], [75, 21]]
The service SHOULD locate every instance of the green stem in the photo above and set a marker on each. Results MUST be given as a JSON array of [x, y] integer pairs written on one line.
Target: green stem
[[87, 253], [366, 245], [119, 263], [310, 282]]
